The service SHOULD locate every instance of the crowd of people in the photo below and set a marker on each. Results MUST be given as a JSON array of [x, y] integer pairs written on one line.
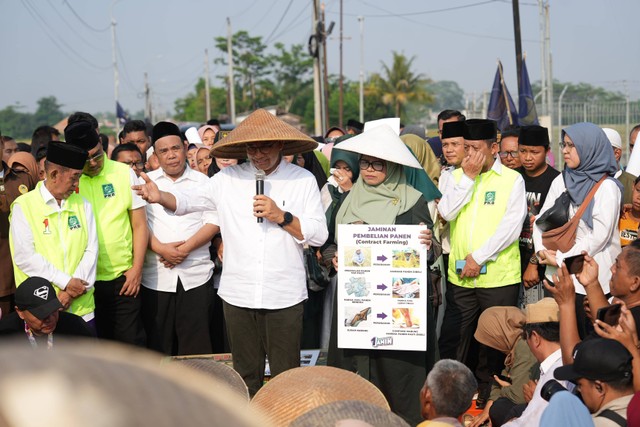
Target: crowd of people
[[210, 241]]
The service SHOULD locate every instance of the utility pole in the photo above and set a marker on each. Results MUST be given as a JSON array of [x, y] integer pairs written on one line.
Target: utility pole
[[148, 114], [549, 73], [232, 97], [543, 58], [361, 20], [341, 100], [516, 30], [325, 76], [114, 57], [318, 110], [207, 97]]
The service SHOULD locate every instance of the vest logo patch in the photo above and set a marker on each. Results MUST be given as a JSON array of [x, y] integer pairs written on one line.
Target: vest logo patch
[[489, 197], [42, 292], [23, 189], [73, 222], [108, 191], [46, 226]]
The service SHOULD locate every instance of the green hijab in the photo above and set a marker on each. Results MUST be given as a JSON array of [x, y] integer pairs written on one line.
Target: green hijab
[[379, 204]]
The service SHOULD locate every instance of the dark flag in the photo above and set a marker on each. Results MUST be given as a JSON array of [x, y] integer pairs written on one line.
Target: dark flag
[[526, 104], [122, 115], [501, 107]]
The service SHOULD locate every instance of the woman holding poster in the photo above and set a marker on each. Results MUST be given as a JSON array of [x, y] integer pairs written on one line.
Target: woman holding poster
[[383, 196]]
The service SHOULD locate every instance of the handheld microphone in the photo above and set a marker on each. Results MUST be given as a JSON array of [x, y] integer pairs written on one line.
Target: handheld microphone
[[260, 187]]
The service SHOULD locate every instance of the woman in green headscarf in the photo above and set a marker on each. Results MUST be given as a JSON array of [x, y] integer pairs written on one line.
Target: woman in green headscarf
[[382, 195]]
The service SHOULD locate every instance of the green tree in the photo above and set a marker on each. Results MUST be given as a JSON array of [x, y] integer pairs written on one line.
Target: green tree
[[48, 111], [292, 71], [251, 68], [398, 85], [192, 108], [447, 95], [16, 124]]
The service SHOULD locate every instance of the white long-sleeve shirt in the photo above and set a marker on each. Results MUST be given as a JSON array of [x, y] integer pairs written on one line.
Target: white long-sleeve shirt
[[263, 264], [602, 242], [196, 268], [532, 414], [34, 264], [456, 195]]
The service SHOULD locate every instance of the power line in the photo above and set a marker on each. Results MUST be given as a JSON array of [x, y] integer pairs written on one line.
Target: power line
[[127, 78], [286, 10], [390, 14], [50, 34], [291, 25], [97, 30], [427, 12], [73, 28]]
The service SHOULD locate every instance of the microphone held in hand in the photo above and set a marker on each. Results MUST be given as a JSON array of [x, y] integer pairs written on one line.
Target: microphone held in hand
[[260, 187]]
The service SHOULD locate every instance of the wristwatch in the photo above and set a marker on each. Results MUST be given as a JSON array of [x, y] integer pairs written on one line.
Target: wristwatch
[[534, 259], [288, 218]]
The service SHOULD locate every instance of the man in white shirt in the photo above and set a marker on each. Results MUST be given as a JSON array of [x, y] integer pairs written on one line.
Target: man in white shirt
[[53, 232], [263, 283], [485, 205], [542, 332], [177, 272]]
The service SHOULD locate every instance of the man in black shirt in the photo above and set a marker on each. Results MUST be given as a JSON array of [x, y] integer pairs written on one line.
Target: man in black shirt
[[533, 147], [38, 315]]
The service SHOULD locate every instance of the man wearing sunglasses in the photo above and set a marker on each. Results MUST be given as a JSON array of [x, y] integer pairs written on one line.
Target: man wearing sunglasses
[[122, 237]]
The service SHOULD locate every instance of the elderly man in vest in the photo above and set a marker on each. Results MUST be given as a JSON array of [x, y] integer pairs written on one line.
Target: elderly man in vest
[[485, 204], [121, 223], [53, 232]]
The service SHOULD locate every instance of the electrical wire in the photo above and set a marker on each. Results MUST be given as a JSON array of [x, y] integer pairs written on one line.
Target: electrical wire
[[92, 28], [67, 48], [73, 28], [427, 12], [291, 25], [286, 10]]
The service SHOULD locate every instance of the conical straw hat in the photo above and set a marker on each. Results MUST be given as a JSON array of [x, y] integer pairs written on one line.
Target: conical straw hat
[[299, 390], [262, 126], [329, 414]]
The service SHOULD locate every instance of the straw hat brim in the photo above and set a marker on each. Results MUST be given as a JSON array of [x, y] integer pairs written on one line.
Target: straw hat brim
[[328, 415], [381, 142], [299, 390], [262, 127], [217, 370]]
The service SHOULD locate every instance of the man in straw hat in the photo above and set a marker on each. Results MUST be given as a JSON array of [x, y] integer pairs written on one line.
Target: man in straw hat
[[485, 205], [263, 283], [53, 232]]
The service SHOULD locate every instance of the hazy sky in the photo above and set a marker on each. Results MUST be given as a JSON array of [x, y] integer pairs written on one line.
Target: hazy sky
[[63, 47]]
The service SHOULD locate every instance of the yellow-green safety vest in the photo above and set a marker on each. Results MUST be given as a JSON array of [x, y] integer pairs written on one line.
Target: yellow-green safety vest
[[60, 237], [109, 193], [476, 222]]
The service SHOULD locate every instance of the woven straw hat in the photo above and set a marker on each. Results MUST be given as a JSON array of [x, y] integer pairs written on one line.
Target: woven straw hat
[[87, 383], [299, 390], [262, 126], [327, 415], [217, 370]]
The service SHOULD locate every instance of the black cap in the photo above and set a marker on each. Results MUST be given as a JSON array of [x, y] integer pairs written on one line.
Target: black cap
[[38, 297], [162, 129], [480, 129], [597, 359], [82, 134], [67, 155], [356, 125], [452, 129], [534, 135]]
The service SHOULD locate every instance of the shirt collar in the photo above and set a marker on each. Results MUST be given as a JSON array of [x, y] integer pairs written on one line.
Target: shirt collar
[[186, 175], [275, 171], [550, 361], [49, 199]]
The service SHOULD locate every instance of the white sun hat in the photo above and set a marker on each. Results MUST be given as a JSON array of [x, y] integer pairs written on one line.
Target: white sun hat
[[392, 122], [614, 137], [381, 142]]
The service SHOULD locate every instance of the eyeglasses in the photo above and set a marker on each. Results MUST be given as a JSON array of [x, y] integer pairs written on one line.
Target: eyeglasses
[[568, 145], [95, 158], [263, 148], [137, 165], [377, 165], [505, 154]]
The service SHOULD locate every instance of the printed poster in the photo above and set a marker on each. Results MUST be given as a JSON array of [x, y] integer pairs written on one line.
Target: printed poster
[[382, 287]]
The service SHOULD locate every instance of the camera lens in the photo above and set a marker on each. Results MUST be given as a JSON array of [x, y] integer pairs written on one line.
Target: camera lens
[[550, 388]]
